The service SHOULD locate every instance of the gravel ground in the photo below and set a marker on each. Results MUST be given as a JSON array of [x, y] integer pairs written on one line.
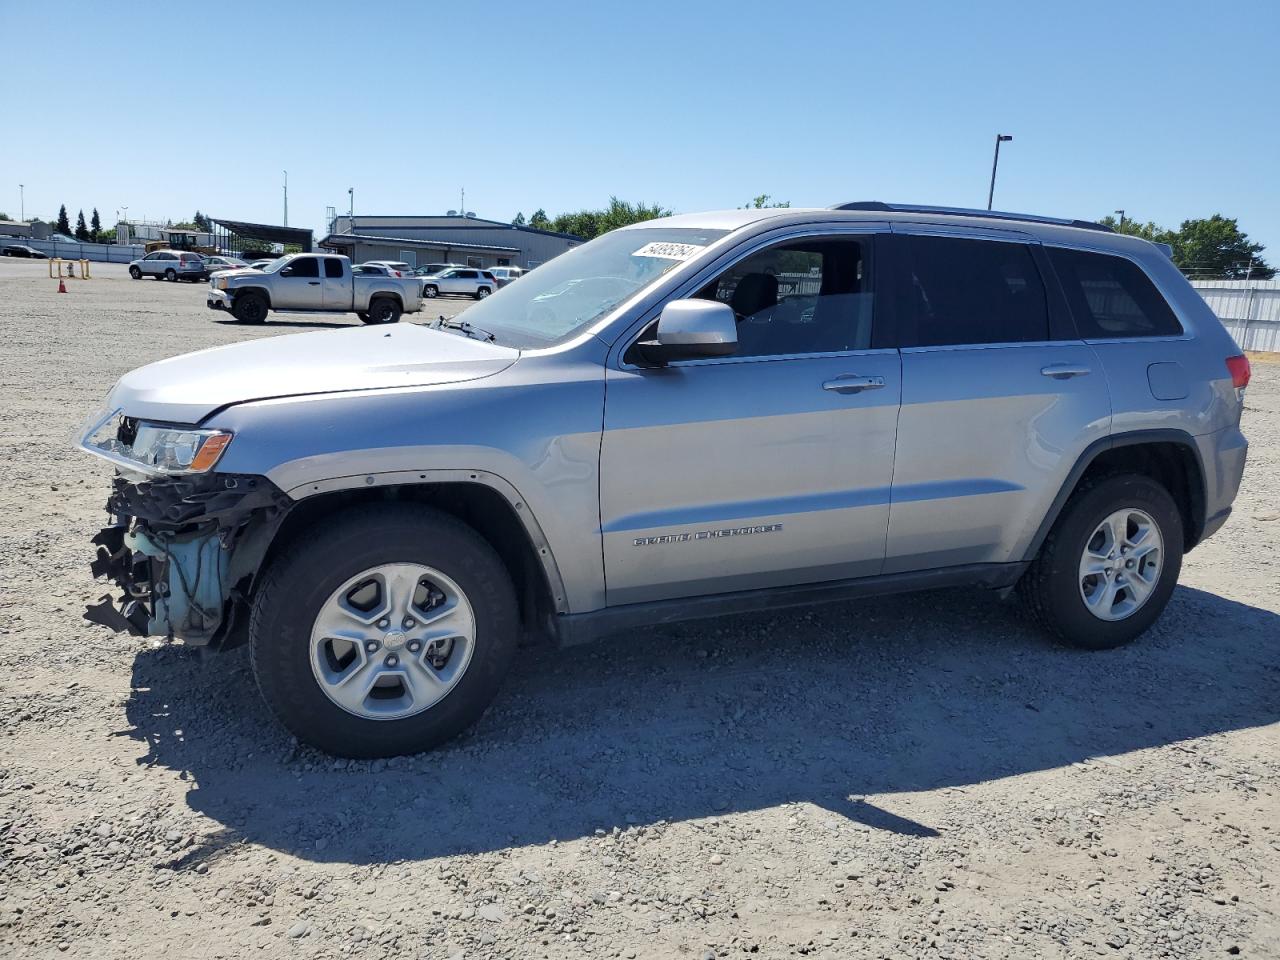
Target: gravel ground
[[921, 776]]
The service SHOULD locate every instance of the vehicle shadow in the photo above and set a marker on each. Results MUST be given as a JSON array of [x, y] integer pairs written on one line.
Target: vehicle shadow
[[830, 706], [294, 323]]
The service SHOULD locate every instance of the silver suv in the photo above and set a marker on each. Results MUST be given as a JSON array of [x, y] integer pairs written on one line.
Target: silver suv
[[693, 416]]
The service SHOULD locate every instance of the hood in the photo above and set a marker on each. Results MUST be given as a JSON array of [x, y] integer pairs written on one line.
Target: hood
[[188, 388]]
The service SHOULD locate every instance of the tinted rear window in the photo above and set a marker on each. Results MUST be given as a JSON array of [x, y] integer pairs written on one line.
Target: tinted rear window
[[1112, 296], [974, 291], [332, 267]]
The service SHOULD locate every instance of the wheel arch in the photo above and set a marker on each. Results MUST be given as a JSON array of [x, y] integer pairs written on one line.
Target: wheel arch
[[1168, 456], [485, 502], [241, 291]]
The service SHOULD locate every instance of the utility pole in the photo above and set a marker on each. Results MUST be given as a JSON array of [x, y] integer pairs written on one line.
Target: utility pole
[[22, 202], [1000, 138], [1121, 227], [462, 207], [286, 198]]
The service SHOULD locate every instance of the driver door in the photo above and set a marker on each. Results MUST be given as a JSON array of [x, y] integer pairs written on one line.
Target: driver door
[[300, 286], [770, 467]]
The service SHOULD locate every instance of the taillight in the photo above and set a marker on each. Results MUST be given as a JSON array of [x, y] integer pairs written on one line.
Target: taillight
[[1240, 371]]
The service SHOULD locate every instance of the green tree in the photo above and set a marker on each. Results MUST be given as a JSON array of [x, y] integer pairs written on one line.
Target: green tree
[[589, 224], [95, 227], [63, 225], [184, 225], [519, 220], [201, 222], [1217, 247], [82, 229], [540, 220], [1136, 228], [765, 200], [4, 216]]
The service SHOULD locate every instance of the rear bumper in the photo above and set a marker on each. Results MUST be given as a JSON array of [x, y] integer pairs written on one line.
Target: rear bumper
[[1223, 454]]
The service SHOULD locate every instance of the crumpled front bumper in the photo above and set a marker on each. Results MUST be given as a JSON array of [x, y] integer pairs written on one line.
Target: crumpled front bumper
[[217, 299], [178, 548]]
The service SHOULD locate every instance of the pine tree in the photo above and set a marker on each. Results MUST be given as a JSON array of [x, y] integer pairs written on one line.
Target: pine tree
[[82, 230], [63, 225], [519, 220], [95, 226]]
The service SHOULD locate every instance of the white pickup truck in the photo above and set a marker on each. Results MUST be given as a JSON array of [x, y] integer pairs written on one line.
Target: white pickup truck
[[313, 283]]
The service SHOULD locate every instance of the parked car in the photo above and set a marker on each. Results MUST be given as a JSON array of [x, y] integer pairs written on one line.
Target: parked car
[[313, 283], [374, 270], [431, 269], [398, 268], [22, 250], [62, 238], [262, 264], [170, 265], [750, 409], [505, 275], [213, 264], [460, 280]]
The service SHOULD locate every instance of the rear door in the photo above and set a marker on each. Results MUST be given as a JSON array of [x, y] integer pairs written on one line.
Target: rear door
[[298, 286], [336, 285], [999, 398]]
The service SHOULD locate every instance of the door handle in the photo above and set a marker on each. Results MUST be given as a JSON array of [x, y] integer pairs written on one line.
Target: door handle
[[313, 283], [852, 384], [1065, 371]]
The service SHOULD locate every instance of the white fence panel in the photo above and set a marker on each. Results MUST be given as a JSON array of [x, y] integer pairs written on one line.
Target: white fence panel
[[98, 252], [1249, 309]]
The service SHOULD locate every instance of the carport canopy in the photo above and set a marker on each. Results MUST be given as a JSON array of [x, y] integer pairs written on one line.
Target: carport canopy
[[238, 235]]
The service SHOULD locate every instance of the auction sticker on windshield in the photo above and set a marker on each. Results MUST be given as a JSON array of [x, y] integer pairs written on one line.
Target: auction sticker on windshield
[[668, 251]]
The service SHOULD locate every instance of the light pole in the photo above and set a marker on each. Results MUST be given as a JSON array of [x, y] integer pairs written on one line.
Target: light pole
[[991, 192], [1120, 229], [22, 202], [286, 198]]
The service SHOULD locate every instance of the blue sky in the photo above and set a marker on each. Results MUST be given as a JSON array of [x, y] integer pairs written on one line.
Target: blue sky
[[1165, 109]]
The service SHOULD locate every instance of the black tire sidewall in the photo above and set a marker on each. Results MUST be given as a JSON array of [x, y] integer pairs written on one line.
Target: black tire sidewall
[[430, 292], [171, 275], [243, 308], [135, 273], [1062, 599], [305, 576]]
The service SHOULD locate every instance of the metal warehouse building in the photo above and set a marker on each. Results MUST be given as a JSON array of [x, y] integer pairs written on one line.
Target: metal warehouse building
[[448, 239]]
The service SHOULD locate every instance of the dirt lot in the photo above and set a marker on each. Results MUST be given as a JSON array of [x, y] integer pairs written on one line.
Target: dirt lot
[[909, 777]]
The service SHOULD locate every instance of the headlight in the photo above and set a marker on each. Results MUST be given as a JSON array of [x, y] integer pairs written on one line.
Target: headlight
[[178, 449], [155, 447], [220, 283]]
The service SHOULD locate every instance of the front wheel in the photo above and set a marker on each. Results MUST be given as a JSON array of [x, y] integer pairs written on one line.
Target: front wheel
[[385, 630], [135, 272], [1108, 568], [250, 307]]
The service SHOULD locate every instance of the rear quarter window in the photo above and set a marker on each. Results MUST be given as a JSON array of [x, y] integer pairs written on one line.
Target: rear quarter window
[[1111, 296]]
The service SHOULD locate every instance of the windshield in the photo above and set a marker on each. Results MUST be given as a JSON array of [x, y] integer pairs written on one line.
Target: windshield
[[275, 265], [582, 285]]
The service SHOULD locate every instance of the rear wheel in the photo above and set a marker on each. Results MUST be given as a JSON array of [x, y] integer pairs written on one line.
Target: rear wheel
[[385, 630], [1106, 571], [135, 272], [430, 292], [383, 310], [171, 274], [482, 293], [250, 307]]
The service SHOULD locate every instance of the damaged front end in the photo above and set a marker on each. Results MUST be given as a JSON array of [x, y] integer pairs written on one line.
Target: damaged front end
[[182, 548]]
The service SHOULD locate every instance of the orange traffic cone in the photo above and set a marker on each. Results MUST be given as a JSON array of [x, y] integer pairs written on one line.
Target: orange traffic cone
[[62, 287]]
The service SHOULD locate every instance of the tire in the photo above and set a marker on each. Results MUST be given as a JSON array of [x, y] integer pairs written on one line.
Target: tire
[[250, 307], [301, 585], [1055, 585], [364, 317], [135, 272], [430, 291], [383, 310], [482, 293], [171, 275]]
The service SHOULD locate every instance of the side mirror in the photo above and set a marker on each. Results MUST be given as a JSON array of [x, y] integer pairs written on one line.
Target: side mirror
[[691, 330], [287, 272]]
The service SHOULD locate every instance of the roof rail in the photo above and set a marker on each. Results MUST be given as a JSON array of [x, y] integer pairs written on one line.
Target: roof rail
[[882, 207]]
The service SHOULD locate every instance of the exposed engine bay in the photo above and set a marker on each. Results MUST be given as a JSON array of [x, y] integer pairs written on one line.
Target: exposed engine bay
[[179, 547]]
